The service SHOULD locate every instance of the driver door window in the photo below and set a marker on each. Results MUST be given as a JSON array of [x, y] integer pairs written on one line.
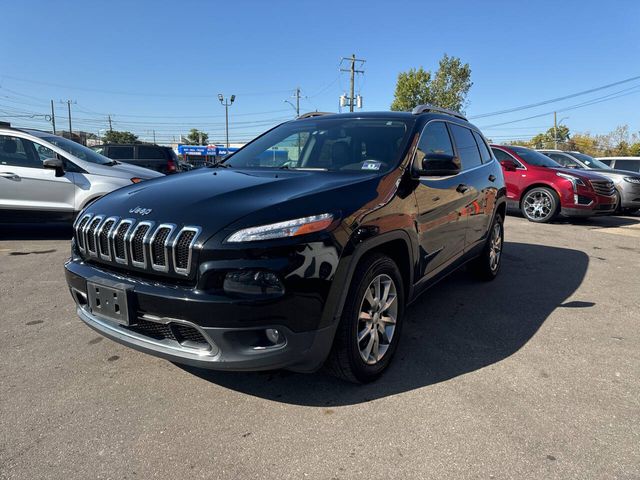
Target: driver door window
[[15, 151]]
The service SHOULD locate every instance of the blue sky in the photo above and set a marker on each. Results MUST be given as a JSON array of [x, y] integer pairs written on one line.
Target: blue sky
[[157, 65]]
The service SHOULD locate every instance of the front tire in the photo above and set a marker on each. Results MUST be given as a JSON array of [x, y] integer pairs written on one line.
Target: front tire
[[540, 205], [371, 322]]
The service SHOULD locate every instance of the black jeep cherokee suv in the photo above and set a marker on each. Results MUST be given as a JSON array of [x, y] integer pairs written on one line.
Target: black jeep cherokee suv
[[302, 248]]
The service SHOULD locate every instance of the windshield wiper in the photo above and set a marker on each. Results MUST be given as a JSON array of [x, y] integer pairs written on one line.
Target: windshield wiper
[[219, 165]]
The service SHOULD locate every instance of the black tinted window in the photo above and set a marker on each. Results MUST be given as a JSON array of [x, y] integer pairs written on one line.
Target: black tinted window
[[121, 153], [435, 139], [500, 155], [18, 152], [467, 147], [150, 153], [632, 165], [484, 150]]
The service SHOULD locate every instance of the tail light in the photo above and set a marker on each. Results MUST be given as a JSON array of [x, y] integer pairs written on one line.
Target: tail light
[[171, 166]]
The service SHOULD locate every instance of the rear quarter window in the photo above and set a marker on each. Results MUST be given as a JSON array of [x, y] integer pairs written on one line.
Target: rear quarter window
[[121, 153], [467, 146], [151, 153]]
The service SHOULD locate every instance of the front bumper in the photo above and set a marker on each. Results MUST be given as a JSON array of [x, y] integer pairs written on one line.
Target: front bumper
[[629, 195], [206, 330]]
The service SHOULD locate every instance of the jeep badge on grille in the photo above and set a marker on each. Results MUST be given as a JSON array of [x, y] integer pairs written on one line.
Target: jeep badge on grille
[[140, 210]]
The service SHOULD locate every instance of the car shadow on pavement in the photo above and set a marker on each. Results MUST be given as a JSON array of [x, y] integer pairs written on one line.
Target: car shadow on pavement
[[458, 326], [54, 231]]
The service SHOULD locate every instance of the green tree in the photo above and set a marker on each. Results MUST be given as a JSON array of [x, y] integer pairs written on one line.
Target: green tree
[[197, 137], [548, 139], [447, 88], [634, 150], [114, 136]]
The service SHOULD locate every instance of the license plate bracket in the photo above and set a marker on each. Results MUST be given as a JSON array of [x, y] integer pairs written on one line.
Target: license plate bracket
[[109, 302]]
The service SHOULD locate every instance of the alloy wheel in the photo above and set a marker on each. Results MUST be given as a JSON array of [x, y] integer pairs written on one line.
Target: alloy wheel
[[495, 247], [538, 205], [377, 319]]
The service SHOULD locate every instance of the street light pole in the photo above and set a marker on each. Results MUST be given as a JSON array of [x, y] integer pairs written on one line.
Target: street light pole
[[226, 104]]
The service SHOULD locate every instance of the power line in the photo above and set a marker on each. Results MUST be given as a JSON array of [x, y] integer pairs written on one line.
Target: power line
[[558, 99]]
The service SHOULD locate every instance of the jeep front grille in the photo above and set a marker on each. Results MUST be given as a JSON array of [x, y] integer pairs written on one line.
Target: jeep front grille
[[163, 248], [603, 187]]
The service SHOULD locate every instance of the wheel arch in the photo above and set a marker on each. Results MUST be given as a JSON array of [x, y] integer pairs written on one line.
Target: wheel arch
[[540, 185]]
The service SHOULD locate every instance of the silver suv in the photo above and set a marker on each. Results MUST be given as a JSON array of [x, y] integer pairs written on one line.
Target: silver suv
[[627, 183], [44, 177]]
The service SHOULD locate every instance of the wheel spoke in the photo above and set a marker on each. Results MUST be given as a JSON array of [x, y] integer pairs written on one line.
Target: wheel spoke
[[390, 300], [368, 296], [376, 286], [364, 332], [366, 352], [376, 346]]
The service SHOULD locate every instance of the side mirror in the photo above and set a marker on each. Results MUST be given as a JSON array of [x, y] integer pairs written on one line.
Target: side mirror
[[509, 165], [439, 165], [54, 164]]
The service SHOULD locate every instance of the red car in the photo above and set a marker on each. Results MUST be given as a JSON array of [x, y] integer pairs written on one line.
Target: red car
[[542, 189]]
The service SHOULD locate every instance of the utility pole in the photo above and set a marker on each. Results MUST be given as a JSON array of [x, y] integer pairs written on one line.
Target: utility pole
[[154, 136], [53, 118], [352, 73], [297, 95], [226, 104], [68, 102], [555, 130], [110, 126]]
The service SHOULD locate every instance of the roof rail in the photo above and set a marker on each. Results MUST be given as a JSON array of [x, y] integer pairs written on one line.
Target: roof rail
[[313, 114], [432, 108], [5, 124]]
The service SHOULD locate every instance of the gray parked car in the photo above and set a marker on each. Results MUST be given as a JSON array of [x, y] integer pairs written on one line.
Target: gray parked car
[[44, 177], [627, 183], [631, 164]]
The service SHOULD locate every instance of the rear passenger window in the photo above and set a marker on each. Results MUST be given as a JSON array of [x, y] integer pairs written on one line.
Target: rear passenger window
[[484, 150], [150, 153], [467, 147], [121, 153], [631, 165]]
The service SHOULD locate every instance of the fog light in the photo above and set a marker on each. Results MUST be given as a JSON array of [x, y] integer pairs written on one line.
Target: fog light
[[253, 283], [273, 335]]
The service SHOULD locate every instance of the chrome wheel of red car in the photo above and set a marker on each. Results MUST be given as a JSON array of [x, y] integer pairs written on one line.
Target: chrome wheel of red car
[[539, 205]]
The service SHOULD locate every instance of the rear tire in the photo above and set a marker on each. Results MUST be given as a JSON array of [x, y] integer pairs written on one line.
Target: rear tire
[[540, 205], [487, 266], [371, 322]]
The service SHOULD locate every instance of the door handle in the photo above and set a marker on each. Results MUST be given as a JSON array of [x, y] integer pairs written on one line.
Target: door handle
[[492, 178], [462, 188], [9, 175]]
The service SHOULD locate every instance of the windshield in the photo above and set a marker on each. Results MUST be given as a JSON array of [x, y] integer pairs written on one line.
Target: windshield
[[590, 161], [338, 144], [534, 158], [79, 151]]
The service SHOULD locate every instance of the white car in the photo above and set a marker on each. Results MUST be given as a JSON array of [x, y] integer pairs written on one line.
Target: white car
[[44, 177], [631, 164]]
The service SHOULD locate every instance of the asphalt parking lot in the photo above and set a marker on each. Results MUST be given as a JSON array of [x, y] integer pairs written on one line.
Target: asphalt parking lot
[[536, 375]]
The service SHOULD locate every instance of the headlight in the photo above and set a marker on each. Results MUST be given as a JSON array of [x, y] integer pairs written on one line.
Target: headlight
[[289, 228], [574, 180], [635, 180]]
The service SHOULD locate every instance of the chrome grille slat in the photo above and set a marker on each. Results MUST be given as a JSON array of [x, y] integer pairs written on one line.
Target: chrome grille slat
[[79, 231], [159, 247], [138, 239], [603, 187], [90, 235], [182, 248], [119, 241], [103, 235], [163, 248]]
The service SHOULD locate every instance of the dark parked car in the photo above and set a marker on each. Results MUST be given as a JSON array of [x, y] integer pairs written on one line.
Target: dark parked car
[[298, 260], [542, 189], [155, 157]]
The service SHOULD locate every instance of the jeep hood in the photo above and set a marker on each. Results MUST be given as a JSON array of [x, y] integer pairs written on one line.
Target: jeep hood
[[213, 198]]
